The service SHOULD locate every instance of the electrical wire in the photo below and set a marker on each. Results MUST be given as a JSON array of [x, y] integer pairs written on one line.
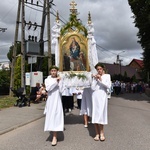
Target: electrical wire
[[8, 12], [65, 21], [104, 52], [5, 45], [102, 49], [33, 8]]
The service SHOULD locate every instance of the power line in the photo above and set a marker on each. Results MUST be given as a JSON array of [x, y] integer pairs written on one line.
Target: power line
[[105, 49], [98, 46], [4, 45], [8, 12], [104, 52], [34, 8], [4, 61], [60, 16]]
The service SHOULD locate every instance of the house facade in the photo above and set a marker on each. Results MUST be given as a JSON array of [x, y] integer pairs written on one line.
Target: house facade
[[133, 69]]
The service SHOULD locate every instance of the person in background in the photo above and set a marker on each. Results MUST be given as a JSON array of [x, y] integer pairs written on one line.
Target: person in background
[[71, 98], [109, 91], [54, 119], [79, 92], [66, 98], [35, 93], [43, 92], [86, 105], [117, 87], [101, 82], [123, 87]]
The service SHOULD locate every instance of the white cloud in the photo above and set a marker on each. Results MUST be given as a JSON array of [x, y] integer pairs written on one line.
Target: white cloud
[[114, 27]]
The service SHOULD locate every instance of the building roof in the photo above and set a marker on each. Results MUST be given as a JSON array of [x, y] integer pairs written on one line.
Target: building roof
[[115, 69], [138, 61]]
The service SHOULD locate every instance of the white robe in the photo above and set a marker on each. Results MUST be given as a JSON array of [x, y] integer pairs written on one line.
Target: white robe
[[54, 120], [86, 103], [100, 100]]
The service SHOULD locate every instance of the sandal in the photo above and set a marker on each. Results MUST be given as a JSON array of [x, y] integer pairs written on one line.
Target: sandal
[[85, 126], [102, 138], [54, 142], [96, 138]]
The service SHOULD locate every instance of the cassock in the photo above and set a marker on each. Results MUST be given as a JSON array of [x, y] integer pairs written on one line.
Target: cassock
[[54, 120], [100, 99]]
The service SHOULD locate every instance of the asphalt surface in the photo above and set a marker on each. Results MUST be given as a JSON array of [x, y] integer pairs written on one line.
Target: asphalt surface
[[14, 117], [128, 128]]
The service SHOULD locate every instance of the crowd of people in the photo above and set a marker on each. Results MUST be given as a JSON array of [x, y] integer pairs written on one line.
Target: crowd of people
[[92, 102], [128, 87]]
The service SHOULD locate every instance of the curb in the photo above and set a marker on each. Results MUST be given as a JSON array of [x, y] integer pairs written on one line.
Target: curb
[[145, 96], [20, 125]]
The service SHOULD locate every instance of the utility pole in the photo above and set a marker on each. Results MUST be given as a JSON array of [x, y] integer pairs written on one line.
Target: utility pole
[[31, 39], [42, 34], [23, 47], [118, 57], [15, 48], [120, 60], [49, 35]]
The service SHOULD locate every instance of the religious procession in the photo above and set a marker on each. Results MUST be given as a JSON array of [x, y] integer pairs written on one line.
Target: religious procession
[[76, 72], [67, 76]]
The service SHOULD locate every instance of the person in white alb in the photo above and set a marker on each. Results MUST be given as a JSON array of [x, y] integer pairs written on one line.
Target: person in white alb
[[101, 82], [86, 105], [79, 92], [54, 120]]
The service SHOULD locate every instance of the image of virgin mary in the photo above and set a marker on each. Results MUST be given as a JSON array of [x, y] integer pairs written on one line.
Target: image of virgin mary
[[75, 61], [74, 49]]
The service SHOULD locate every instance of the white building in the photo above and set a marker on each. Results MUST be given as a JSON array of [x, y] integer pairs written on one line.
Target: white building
[[5, 66]]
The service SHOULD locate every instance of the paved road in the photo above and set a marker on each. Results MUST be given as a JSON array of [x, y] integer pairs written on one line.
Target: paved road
[[128, 129]]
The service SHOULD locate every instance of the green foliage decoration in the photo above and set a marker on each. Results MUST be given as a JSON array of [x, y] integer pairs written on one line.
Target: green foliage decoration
[[78, 75], [73, 22], [81, 76]]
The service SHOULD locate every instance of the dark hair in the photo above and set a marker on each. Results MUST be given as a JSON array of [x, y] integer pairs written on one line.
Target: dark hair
[[53, 67], [99, 64]]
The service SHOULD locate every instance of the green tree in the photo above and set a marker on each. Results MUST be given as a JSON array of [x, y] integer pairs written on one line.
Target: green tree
[[17, 67], [141, 11], [134, 78], [4, 78], [10, 53], [17, 74], [125, 74], [35, 67], [4, 81]]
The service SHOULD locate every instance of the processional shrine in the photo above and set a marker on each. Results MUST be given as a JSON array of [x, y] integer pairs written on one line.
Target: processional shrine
[[75, 49]]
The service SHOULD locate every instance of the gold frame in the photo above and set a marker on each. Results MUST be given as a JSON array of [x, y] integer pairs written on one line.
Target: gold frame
[[64, 42]]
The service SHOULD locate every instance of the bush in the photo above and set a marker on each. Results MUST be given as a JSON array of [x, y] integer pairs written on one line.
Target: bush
[[4, 82]]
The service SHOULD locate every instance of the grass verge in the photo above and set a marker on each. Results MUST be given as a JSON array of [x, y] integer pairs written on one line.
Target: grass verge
[[7, 101]]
